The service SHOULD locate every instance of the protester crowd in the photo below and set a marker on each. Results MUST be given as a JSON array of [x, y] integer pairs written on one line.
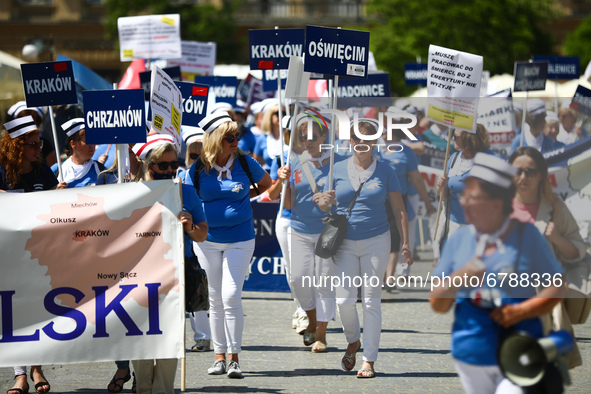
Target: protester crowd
[[499, 216]]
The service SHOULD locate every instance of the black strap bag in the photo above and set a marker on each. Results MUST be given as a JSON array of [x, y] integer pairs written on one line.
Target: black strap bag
[[196, 291]]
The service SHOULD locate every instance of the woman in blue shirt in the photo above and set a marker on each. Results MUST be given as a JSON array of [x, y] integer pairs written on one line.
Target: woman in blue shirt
[[224, 187], [363, 256], [473, 264], [161, 160], [268, 144], [458, 166]]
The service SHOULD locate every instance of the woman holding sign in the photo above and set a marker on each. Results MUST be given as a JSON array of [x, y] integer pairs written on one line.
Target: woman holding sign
[[222, 177], [363, 186], [21, 171]]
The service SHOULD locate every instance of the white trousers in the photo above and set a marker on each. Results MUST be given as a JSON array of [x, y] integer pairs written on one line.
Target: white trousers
[[479, 379], [200, 325], [155, 376], [307, 269], [226, 265], [366, 259]]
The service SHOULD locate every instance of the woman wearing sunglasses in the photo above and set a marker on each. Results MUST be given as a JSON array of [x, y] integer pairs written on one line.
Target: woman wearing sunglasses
[[365, 184], [224, 187], [160, 157], [79, 169], [500, 272], [467, 145], [21, 171], [535, 203], [308, 179]]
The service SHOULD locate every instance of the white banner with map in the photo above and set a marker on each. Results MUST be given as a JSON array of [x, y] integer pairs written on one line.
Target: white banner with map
[[91, 274]]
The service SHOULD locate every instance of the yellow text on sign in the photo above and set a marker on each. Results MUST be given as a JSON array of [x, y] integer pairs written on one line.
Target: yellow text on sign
[[175, 119], [451, 118]]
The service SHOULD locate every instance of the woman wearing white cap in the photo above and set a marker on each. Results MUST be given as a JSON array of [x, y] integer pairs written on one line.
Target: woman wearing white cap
[[533, 128], [222, 177], [473, 263], [363, 186], [22, 171], [161, 159], [79, 169], [536, 203]]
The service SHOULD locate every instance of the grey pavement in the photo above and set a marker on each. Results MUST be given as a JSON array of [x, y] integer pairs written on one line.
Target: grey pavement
[[414, 354]]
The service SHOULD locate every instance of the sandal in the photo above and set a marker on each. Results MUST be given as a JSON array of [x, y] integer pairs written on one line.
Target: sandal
[[363, 371], [40, 384], [309, 338], [118, 383], [318, 347], [19, 390], [351, 358]]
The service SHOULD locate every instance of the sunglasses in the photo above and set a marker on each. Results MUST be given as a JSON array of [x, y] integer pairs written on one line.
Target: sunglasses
[[194, 156], [231, 137], [163, 165], [34, 145], [529, 172], [304, 137]]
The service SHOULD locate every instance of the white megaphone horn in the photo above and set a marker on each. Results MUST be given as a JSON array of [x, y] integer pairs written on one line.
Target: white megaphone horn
[[524, 359]]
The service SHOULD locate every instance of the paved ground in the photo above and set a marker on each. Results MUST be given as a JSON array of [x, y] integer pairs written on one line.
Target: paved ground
[[414, 355]]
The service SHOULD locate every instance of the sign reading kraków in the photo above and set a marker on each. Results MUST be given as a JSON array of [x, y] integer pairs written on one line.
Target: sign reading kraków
[[194, 102], [336, 51], [270, 49], [114, 116], [50, 83], [224, 88]]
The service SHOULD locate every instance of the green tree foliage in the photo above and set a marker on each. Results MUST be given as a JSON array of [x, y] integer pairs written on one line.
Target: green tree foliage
[[577, 43], [502, 31], [203, 22]]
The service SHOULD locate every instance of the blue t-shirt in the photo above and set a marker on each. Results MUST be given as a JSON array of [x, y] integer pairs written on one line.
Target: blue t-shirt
[[368, 216], [191, 204], [547, 144], [475, 336], [274, 168], [227, 202], [32, 181], [403, 162], [306, 217], [260, 150], [248, 141]]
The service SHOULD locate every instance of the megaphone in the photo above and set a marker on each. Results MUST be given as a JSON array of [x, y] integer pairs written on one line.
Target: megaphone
[[524, 359]]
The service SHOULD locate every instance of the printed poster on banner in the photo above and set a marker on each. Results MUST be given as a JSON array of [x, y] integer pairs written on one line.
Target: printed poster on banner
[[336, 51], [561, 67], [194, 103], [582, 100], [495, 113], [78, 281], [270, 49], [50, 83], [150, 37], [114, 116], [223, 88], [530, 76], [453, 87], [166, 104], [198, 59]]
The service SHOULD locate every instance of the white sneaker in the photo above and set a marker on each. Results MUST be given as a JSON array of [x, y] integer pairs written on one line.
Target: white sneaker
[[234, 371], [294, 320], [302, 324], [201, 345], [218, 368]]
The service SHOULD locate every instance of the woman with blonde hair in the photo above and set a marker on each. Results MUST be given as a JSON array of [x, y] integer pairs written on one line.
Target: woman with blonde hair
[[222, 177], [268, 144]]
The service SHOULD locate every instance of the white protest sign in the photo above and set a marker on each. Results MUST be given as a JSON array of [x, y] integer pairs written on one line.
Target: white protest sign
[[198, 59], [149, 37], [297, 79], [453, 87], [495, 113], [166, 103]]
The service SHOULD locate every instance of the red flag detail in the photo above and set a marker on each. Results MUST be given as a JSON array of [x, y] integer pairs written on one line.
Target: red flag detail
[[266, 64], [197, 91], [298, 176], [131, 78], [59, 67]]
